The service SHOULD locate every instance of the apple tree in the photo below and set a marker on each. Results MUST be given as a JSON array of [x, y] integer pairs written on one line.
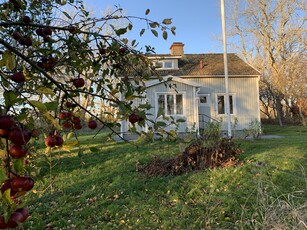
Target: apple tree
[[48, 59]]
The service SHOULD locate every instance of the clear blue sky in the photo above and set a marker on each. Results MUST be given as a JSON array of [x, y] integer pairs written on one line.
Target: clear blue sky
[[198, 22]]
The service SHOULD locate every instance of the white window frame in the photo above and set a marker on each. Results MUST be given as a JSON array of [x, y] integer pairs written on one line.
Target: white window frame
[[163, 64], [207, 104], [233, 104], [165, 110]]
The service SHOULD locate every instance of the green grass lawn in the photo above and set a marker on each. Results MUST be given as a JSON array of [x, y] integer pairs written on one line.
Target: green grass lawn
[[101, 189]]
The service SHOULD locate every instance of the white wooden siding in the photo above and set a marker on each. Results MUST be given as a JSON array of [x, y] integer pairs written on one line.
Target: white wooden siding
[[246, 95], [188, 104]]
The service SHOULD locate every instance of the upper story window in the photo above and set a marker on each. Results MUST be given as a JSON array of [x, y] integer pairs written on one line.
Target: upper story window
[[164, 64]]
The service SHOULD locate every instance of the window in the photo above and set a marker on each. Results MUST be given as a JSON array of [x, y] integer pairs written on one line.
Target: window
[[204, 100], [171, 104], [164, 64], [221, 104], [158, 64], [168, 64]]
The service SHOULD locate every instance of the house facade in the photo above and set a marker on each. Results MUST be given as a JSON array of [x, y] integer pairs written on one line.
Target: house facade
[[193, 89]]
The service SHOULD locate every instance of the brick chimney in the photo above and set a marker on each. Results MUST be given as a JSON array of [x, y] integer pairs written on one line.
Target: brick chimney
[[177, 48]]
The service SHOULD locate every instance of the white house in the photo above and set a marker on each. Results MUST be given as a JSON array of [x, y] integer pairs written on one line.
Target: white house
[[199, 92]]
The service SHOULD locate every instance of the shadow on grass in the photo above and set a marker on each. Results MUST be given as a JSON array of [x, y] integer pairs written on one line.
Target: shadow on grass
[[103, 188]]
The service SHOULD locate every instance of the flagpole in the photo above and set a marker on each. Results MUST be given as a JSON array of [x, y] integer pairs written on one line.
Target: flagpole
[[226, 69]]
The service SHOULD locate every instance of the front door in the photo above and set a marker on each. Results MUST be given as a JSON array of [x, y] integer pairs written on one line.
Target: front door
[[203, 110]]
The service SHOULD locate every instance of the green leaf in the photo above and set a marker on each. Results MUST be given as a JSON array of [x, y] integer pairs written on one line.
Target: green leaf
[[39, 105], [167, 21], [67, 15], [6, 197], [164, 35], [145, 106], [142, 32], [173, 30], [121, 31], [46, 91], [161, 123], [133, 42], [9, 60], [130, 26], [160, 112], [180, 120], [9, 98], [154, 32], [2, 175], [19, 165], [94, 149], [153, 24], [52, 105]]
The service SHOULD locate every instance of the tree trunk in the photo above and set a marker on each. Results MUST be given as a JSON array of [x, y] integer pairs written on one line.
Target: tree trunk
[[302, 115], [279, 110]]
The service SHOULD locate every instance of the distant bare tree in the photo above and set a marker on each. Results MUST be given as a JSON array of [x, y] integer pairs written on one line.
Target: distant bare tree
[[271, 36]]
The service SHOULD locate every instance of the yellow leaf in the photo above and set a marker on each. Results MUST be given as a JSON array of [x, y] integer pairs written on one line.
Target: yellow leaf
[[47, 150], [51, 119], [9, 60], [45, 90], [39, 105], [69, 144], [122, 221]]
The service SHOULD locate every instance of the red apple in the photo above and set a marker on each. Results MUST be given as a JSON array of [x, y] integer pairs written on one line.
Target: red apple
[[78, 126], [24, 213], [18, 77], [67, 125], [39, 32], [50, 141], [17, 151], [35, 133], [72, 29], [133, 118], [122, 50], [102, 51], [7, 185], [19, 136], [78, 82], [28, 41], [92, 124], [70, 114], [14, 219], [6, 122], [63, 115], [26, 19], [4, 133], [20, 184], [59, 140], [15, 4], [46, 39], [25, 41], [3, 225], [70, 104], [17, 217], [75, 120], [47, 31], [17, 35]]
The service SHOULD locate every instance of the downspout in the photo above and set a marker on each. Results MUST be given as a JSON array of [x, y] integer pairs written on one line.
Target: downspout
[[196, 108], [258, 101]]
